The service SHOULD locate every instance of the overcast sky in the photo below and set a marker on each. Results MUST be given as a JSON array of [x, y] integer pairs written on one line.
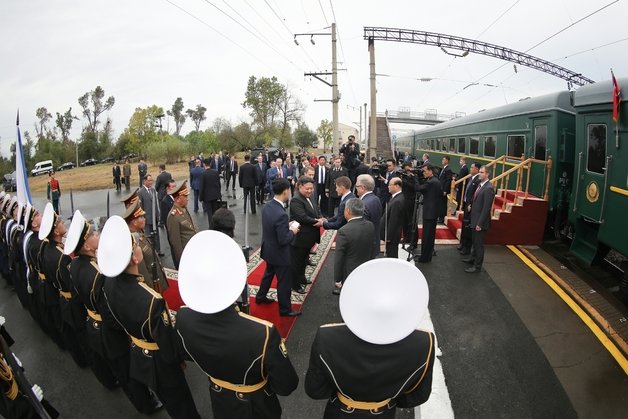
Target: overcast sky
[[150, 52]]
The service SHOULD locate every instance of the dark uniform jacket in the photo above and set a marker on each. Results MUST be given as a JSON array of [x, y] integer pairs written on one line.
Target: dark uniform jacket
[[373, 213], [56, 268], [33, 250], [445, 177], [209, 186], [481, 206], [276, 234], [88, 282], [396, 217], [306, 215], [340, 362], [353, 247], [338, 220], [332, 175], [240, 349], [143, 314], [248, 176], [161, 184]]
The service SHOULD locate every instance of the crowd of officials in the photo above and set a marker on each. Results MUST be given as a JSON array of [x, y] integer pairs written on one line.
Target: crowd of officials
[[97, 293]]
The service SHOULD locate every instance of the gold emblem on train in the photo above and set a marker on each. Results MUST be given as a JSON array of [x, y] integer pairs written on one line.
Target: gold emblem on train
[[593, 193]]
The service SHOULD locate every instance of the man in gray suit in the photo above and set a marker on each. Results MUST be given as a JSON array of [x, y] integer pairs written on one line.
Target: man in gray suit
[[353, 242], [480, 218], [150, 205]]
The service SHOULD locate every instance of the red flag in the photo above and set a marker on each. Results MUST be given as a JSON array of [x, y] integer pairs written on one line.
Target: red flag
[[616, 98]]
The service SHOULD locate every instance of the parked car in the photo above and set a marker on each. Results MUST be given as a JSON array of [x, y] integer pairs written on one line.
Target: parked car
[[88, 162], [128, 156], [108, 160], [9, 182], [66, 166], [42, 167]]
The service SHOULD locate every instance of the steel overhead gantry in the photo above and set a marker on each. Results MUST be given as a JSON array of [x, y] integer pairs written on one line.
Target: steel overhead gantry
[[478, 47], [463, 44]]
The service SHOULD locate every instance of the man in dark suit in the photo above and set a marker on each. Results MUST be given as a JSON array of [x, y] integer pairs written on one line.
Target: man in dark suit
[[330, 185], [464, 171], [480, 218], [395, 218], [365, 184], [343, 190], [353, 242], [161, 183], [167, 202], [322, 171], [260, 167], [275, 172], [466, 235], [195, 181], [148, 201], [432, 195], [248, 180], [291, 173], [231, 172], [276, 237], [385, 181], [116, 176], [216, 162], [303, 211], [209, 191], [444, 177]]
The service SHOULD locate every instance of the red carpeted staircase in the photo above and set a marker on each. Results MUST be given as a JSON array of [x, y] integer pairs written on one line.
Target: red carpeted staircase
[[522, 221]]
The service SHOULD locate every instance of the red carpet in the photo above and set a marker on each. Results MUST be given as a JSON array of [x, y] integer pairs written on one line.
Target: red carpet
[[256, 267]]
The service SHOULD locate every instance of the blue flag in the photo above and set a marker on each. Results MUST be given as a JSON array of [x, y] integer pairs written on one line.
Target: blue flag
[[21, 178]]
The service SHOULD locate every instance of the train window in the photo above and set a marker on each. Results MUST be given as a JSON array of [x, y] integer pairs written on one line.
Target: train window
[[462, 146], [489, 146], [597, 148], [540, 142], [444, 145], [452, 145], [432, 144], [438, 144], [516, 145], [474, 146]]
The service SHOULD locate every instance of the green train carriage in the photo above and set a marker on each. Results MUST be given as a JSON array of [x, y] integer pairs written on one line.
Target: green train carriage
[[600, 191], [539, 128]]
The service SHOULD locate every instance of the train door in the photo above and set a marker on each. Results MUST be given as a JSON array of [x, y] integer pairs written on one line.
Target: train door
[[540, 140], [592, 167]]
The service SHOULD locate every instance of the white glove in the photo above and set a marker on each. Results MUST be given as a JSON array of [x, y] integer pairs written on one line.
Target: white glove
[[39, 393], [2, 320], [29, 289]]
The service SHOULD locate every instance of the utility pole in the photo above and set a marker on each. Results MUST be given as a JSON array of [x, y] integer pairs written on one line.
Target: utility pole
[[366, 125], [335, 95], [373, 124]]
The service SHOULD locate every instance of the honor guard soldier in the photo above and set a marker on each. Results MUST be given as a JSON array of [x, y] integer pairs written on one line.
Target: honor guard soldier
[[128, 200], [179, 224], [4, 198], [32, 248], [16, 255], [156, 358], [244, 357], [69, 314], [377, 360], [82, 241], [8, 231], [153, 274]]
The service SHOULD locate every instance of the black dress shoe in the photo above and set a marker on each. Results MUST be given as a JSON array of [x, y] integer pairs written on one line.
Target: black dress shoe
[[469, 261], [459, 247], [300, 290], [290, 314], [464, 253], [472, 270], [264, 300]]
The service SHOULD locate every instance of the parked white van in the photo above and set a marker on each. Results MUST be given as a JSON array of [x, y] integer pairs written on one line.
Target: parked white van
[[42, 167]]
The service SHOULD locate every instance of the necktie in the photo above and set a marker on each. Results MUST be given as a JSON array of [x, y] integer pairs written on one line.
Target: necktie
[[309, 202], [279, 173], [232, 166], [477, 191]]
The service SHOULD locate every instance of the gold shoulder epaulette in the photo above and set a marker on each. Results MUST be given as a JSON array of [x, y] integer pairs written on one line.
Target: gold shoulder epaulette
[[256, 319], [94, 264], [332, 324], [150, 290]]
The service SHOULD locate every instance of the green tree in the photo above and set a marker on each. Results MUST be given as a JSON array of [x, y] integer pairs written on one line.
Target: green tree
[[243, 135], [28, 145], [142, 130], [197, 115], [325, 132], [43, 116], [262, 98], [178, 114], [93, 106], [64, 123], [290, 113], [201, 142], [304, 137]]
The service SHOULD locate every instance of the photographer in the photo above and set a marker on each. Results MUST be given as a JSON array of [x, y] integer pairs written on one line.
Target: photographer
[[385, 174], [351, 151], [409, 187], [432, 195]]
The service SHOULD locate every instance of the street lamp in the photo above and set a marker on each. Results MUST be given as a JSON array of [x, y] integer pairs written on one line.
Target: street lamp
[[334, 77]]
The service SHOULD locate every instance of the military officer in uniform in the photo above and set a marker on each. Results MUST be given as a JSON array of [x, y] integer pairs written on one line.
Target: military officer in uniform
[[244, 357], [129, 199], [87, 281], [68, 313], [134, 217], [377, 360], [156, 358], [179, 224]]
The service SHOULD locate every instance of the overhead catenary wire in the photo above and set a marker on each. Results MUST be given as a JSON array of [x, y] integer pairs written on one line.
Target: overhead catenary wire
[[342, 52]]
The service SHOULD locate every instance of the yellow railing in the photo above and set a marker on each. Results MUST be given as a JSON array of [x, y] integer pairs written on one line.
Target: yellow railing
[[501, 181]]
